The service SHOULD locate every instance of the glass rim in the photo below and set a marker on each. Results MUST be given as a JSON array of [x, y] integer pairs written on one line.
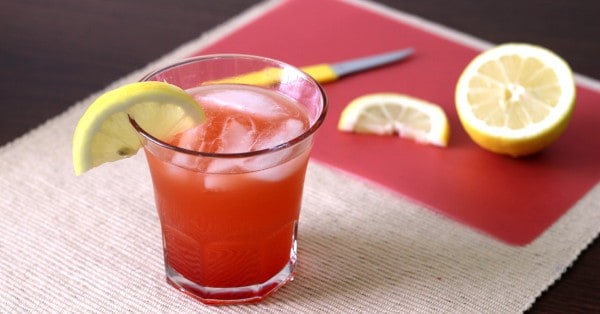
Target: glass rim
[[289, 143]]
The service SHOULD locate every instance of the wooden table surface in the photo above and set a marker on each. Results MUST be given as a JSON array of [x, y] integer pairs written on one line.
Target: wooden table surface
[[55, 53]]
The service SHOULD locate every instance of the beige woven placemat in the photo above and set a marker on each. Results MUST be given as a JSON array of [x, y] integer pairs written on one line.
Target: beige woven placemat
[[92, 244]]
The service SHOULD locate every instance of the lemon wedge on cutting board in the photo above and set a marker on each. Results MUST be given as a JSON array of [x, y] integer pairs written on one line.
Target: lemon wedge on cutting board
[[399, 114]]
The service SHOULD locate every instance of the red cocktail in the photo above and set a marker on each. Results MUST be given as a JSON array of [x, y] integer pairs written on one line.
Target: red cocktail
[[229, 191]]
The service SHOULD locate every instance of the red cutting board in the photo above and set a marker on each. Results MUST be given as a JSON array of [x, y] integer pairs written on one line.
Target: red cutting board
[[514, 200]]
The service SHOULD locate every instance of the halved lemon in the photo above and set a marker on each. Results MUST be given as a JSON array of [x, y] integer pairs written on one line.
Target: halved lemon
[[515, 99], [104, 132], [399, 114]]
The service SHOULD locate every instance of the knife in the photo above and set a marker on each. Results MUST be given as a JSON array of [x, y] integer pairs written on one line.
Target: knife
[[324, 72]]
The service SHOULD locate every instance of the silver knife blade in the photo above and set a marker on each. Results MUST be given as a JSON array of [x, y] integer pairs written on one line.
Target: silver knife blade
[[369, 62]]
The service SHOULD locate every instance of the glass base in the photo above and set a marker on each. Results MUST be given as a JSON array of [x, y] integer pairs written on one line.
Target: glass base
[[235, 295]]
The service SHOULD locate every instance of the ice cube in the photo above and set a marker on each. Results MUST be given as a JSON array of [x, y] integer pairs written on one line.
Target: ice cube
[[281, 171], [192, 140], [270, 139], [185, 161], [288, 131], [238, 135], [223, 165], [222, 182], [178, 173], [243, 101], [266, 160]]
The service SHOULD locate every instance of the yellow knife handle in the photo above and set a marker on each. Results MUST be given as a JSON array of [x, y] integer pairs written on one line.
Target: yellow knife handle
[[323, 73], [264, 77]]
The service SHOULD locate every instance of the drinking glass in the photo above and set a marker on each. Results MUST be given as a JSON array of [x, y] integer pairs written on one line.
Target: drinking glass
[[229, 219]]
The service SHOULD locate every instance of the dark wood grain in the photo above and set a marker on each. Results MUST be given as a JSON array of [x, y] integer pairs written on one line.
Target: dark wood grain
[[54, 53]]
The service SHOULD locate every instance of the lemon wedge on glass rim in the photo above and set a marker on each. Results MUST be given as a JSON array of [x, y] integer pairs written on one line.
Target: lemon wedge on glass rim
[[396, 114], [104, 132], [515, 99]]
